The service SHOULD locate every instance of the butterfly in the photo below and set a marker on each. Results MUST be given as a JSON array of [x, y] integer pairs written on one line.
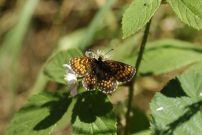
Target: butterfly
[[100, 73]]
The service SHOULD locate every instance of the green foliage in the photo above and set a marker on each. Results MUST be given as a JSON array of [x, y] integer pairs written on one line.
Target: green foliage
[[189, 11], [176, 110], [92, 114], [54, 68], [145, 132], [89, 113], [175, 54], [137, 15], [141, 11], [168, 55], [41, 115]]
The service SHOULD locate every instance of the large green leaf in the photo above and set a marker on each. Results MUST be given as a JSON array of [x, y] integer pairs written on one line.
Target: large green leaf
[[160, 56], [197, 67], [175, 110], [189, 11], [54, 68], [41, 115], [168, 55], [92, 114], [137, 15]]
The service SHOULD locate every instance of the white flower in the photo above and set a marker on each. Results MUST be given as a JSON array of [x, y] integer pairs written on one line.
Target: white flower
[[71, 79]]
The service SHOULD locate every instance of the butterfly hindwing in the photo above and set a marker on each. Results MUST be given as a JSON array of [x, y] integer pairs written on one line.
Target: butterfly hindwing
[[89, 82], [122, 72], [108, 84]]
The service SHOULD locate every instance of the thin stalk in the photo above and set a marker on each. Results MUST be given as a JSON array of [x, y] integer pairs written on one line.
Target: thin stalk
[[132, 83]]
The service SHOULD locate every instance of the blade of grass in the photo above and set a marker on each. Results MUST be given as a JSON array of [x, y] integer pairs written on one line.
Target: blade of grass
[[11, 45], [95, 24]]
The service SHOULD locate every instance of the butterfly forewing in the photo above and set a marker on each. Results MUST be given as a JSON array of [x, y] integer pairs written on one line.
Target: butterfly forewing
[[122, 72], [81, 65]]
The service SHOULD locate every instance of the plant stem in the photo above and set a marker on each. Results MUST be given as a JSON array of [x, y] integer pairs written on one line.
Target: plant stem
[[132, 83]]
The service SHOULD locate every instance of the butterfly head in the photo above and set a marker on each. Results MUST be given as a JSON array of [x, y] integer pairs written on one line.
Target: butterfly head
[[98, 55]]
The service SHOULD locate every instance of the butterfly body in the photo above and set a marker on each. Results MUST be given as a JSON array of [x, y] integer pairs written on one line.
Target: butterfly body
[[101, 74]]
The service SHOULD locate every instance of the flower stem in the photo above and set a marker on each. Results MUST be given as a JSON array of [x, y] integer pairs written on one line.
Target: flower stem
[[132, 83]]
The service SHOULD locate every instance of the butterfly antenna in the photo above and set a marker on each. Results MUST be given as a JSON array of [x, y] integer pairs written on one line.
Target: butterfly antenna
[[109, 51]]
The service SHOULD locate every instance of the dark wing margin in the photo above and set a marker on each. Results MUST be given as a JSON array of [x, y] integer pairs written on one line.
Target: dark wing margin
[[122, 72], [81, 65]]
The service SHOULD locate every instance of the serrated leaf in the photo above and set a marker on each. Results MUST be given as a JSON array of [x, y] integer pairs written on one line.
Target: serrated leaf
[[54, 68], [41, 115], [197, 67], [180, 114], [92, 114], [137, 15], [192, 84], [189, 11]]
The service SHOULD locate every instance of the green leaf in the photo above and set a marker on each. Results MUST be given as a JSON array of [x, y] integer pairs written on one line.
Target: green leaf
[[168, 55], [92, 114], [197, 67], [189, 11], [175, 113], [145, 132], [160, 56], [191, 82], [54, 69], [137, 15], [41, 115]]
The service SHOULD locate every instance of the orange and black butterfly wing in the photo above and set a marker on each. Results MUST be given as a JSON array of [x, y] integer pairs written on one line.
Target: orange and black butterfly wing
[[120, 71], [81, 65], [89, 82], [107, 85]]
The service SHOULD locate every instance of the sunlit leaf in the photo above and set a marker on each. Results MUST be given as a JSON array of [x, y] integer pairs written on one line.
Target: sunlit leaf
[[92, 114], [54, 68], [41, 115], [176, 110], [168, 55], [137, 15], [189, 11]]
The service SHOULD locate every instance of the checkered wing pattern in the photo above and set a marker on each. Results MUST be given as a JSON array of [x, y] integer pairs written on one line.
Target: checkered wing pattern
[[107, 85], [81, 65], [122, 72], [89, 82]]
